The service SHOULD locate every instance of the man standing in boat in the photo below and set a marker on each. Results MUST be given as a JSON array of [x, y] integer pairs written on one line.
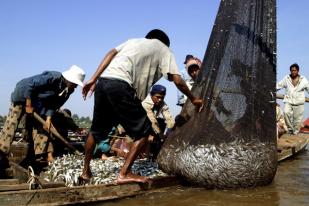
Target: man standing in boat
[[121, 82], [43, 93], [294, 98]]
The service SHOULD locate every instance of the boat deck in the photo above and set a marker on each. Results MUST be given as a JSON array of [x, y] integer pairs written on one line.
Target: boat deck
[[290, 145]]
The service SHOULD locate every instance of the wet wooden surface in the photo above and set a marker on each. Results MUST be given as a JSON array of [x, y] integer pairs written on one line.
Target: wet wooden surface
[[83, 194]]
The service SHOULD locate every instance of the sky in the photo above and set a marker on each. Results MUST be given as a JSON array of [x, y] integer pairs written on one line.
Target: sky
[[37, 35]]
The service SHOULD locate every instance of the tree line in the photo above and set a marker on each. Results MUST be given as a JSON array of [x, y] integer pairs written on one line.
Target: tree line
[[82, 122]]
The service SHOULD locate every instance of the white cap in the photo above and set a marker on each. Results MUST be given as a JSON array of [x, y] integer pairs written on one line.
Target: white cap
[[75, 75]]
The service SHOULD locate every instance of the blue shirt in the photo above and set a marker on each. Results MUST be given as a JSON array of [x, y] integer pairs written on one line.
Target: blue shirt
[[46, 91]]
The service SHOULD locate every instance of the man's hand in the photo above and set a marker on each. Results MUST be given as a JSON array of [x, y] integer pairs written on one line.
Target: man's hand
[[198, 103], [181, 85], [89, 86], [29, 108], [150, 138]]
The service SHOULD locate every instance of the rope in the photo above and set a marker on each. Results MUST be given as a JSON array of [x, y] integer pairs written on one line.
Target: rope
[[33, 181]]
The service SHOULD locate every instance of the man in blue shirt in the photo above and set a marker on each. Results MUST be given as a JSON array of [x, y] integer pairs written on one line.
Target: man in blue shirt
[[44, 94]]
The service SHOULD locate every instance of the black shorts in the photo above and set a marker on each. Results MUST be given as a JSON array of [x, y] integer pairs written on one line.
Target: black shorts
[[115, 102]]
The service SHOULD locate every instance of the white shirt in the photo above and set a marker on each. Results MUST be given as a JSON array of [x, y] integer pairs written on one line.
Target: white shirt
[[141, 63], [153, 114], [294, 95]]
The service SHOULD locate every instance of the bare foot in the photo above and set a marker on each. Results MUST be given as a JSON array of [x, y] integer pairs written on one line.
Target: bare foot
[[131, 178], [83, 181], [84, 178], [104, 157], [86, 175]]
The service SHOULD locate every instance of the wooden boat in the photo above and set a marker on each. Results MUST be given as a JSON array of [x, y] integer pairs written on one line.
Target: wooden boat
[[291, 145], [16, 191], [82, 194]]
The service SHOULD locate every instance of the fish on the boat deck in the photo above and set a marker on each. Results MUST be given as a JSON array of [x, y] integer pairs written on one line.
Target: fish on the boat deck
[[68, 168]]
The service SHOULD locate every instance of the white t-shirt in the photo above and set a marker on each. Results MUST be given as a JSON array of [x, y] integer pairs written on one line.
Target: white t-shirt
[[141, 63]]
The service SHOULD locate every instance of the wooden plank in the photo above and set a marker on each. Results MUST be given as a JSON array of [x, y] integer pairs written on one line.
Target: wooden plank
[[82, 194], [25, 186], [9, 181]]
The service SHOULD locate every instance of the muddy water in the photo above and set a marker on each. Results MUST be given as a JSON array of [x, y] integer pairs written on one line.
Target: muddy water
[[290, 187]]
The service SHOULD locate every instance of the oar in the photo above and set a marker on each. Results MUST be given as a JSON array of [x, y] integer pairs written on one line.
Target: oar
[[281, 96], [54, 132]]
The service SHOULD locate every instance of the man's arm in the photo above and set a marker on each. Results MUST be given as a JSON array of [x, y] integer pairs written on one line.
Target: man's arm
[[151, 117], [90, 85], [29, 108], [168, 117], [182, 86], [281, 84]]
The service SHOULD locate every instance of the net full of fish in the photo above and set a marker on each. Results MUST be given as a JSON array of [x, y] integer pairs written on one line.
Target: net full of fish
[[68, 168]]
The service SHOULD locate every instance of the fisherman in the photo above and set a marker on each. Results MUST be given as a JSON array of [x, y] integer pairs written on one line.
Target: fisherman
[[156, 107], [43, 94], [129, 72], [294, 98], [193, 67], [44, 144]]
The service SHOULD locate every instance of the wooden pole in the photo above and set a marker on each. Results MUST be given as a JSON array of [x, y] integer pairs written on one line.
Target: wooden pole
[[281, 96], [55, 132]]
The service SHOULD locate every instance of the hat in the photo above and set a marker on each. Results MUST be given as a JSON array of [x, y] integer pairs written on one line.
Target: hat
[[158, 89], [193, 61], [189, 56], [75, 75]]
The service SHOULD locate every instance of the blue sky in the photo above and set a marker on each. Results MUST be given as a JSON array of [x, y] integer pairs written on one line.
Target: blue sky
[[39, 35]]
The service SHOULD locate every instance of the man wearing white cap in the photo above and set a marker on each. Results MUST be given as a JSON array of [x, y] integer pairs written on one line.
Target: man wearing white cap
[[44, 94]]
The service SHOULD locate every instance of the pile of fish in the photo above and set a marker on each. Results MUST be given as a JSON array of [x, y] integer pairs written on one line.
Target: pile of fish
[[68, 168]]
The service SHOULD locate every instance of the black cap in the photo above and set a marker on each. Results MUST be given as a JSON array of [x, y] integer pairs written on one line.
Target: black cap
[[189, 56]]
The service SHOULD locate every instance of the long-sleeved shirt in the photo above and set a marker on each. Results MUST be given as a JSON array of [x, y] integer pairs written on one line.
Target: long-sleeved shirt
[[154, 112], [47, 92], [294, 95]]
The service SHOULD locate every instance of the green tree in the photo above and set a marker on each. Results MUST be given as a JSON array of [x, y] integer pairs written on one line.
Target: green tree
[[82, 122]]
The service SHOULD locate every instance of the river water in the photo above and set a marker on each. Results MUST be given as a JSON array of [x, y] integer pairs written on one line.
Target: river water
[[290, 187]]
